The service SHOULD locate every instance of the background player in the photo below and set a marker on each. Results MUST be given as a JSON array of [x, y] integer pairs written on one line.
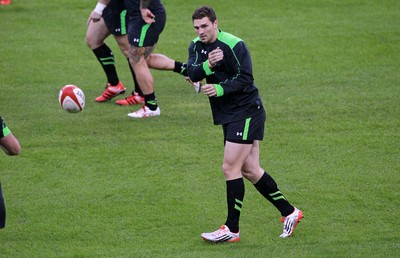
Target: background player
[[113, 19], [11, 146]]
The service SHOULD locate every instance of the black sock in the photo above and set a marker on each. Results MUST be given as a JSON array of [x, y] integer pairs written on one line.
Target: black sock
[[106, 59], [2, 210], [269, 189], [137, 88], [151, 101], [181, 68], [235, 196]]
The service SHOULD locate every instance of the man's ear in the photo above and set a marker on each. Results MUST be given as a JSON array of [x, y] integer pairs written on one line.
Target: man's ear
[[216, 23]]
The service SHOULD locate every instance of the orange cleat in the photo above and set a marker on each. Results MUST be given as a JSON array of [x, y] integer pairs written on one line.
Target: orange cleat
[[111, 92], [134, 99]]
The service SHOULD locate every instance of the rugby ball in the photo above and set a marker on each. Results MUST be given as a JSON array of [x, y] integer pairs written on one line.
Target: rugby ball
[[71, 98]]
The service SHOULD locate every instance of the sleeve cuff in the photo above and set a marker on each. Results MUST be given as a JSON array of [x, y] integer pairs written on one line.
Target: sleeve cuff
[[219, 89], [206, 68], [6, 131]]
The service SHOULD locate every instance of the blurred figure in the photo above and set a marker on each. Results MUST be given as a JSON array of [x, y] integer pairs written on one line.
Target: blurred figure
[[11, 146], [8, 142]]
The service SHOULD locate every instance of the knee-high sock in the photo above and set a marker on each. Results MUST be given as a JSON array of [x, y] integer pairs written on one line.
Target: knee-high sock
[[269, 189], [106, 59], [151, 101], [235, 196]]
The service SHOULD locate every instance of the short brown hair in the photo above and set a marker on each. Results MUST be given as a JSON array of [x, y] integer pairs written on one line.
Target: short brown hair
[[204, 11]]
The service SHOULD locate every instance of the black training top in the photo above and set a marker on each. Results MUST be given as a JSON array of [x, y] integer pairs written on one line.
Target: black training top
[[237, 95], [133, 7]]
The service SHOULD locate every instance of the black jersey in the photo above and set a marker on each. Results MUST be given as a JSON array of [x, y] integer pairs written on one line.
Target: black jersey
[[237, 96], [133, 7]]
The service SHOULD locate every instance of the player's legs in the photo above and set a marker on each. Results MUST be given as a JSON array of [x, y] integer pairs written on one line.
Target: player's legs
[[251, 169], [163, 62], [267, 186], [238, 141], [264, 183], [143, 38], [96, 33], [154, 61], [242, 148], [241, 159], [160, 62], [235, 155], [137, 58], [124, 46]]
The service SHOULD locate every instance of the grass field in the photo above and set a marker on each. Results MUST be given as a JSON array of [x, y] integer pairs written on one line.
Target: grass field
[[98, 184]]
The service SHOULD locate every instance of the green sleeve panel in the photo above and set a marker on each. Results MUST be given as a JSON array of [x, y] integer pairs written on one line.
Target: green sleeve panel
[[220, 90], [206, 68], [6, 131]]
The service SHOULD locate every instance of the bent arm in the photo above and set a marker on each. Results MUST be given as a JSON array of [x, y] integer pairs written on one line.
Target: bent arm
[[197, 69], [10, 145]]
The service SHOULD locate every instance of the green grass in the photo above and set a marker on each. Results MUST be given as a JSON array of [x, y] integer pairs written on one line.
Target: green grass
[[98, 184]]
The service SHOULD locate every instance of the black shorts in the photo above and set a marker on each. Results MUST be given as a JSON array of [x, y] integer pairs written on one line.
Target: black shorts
[[116, 19], [142, 34], [245, 131]]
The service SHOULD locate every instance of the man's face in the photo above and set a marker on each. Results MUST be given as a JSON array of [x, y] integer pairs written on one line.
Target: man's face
[[206, 30]]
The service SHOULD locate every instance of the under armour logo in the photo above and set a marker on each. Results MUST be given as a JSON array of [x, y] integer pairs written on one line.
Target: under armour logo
[[239, 134], [135, 40], [204, 51]]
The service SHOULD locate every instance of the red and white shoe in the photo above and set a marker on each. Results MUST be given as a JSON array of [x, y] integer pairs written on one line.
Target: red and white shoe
[[111, 92], [223, 234], [290, 222], [145, 112], [134, 99], [5, 2]]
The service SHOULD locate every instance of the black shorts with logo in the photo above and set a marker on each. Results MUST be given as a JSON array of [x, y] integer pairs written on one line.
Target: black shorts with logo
[[116, 18], [142, 34], [245, 131]]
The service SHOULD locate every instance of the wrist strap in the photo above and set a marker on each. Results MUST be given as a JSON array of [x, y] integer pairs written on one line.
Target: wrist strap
[[99, 8]]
